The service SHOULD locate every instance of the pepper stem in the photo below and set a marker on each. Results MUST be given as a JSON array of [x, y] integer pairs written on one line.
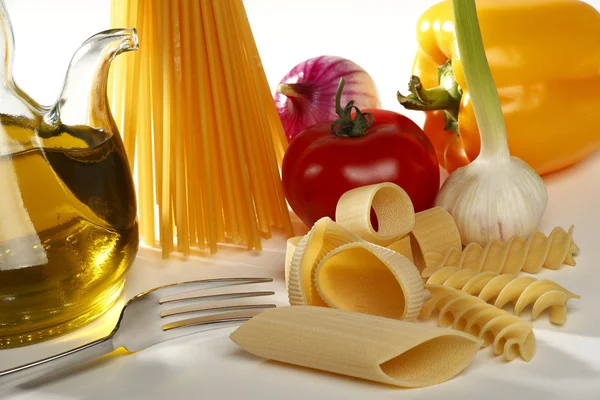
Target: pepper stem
[[345, 125], [480, 82], [446, 96]]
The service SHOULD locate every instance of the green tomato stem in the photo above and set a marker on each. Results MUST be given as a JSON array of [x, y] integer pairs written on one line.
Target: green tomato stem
[[480, 83], [345, 125]]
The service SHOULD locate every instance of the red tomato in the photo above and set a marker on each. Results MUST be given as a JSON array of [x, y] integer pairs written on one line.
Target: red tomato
[[319, 166]]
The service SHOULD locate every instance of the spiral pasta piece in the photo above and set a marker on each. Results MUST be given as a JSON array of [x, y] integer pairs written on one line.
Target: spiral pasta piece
[[508, 334], [501, 289], [517, 254]]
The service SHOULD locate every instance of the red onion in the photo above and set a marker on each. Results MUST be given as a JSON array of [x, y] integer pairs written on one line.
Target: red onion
[[306, 95]]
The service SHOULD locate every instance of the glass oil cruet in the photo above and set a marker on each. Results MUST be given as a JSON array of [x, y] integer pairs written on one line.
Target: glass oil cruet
[[68, 227]]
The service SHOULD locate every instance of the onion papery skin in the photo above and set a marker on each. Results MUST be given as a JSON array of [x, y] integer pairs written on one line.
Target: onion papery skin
[[309, 91]]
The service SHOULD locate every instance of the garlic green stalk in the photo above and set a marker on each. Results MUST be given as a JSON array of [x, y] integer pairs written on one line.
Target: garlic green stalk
[[496, 196]]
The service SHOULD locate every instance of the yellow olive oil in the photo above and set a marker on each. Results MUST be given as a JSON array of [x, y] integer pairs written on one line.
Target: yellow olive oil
[[68, 233]]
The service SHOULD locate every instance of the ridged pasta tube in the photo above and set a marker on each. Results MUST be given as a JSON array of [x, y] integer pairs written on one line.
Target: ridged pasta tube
[[324, 236], [501, 289], [366, 278], [364, 346], [517, 254], [508, 334], [332, 267], [391, 204], [289, 253], [435, 232]]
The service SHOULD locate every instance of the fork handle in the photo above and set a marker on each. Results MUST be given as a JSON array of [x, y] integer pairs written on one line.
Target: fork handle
[[18, 375]]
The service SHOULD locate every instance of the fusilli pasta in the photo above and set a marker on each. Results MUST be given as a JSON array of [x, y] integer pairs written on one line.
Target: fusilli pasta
[[501, 289], [508, 334], [517, 254]]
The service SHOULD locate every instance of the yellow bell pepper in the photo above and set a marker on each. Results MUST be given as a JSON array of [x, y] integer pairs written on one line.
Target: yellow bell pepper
[[545, 59]]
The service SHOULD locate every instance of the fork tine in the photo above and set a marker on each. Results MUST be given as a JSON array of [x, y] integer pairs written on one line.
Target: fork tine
[[216, 297], [230, 316], [181, 287], [216, 293], [210, 313], [222, 305]]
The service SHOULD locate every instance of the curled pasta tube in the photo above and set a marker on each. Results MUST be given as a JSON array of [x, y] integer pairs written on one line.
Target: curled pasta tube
[[435, 232], [391, 204], [289, 253], [370, 279], [324, 236], [403, 247]]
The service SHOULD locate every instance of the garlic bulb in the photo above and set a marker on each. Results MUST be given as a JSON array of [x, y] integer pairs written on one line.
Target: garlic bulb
[[496, 196], [494, 201]]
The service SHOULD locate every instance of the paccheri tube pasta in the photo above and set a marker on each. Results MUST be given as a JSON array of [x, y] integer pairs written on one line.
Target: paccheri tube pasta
[[359, 345], [517, 254], [324, 236], [403, 247], [501, 289], [434, 232], [331, 267], [392, 206], [370, 279], [289, 253]]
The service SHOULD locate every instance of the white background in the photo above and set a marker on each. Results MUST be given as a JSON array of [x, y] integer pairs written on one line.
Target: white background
[[379, 35]]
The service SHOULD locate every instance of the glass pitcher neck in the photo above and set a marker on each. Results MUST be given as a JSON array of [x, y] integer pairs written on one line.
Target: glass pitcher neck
[[7, 46], [13, 101], [83, 100]]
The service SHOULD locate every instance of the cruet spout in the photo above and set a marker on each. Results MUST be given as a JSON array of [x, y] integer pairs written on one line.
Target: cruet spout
[[13, 101], [84, 101], [7, 45]]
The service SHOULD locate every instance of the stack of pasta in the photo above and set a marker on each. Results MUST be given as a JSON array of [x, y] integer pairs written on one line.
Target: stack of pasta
[[199, 125]]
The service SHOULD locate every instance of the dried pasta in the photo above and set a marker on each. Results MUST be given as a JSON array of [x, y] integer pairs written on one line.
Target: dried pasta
[[403, 247], [359, 345], [332, 267], [508, 334], [501, 289], [392, 207], [324, 236], [370, 279], [289, 253], [203, 178], [517, 254], [434, 232]]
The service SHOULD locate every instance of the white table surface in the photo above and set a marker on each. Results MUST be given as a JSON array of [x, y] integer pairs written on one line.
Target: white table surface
[[567, 364]]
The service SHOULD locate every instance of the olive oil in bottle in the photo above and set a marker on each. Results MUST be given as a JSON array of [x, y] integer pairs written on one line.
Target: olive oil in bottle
[[68, 233]]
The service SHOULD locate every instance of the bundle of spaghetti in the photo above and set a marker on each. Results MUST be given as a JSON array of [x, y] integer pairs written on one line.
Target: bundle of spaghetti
[[517, 254], [199, 125]]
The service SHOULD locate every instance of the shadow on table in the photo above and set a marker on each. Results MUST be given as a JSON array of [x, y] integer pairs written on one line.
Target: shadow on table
[[115, 382]]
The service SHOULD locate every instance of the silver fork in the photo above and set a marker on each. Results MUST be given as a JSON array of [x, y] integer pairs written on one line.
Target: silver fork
[[155, 316]]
